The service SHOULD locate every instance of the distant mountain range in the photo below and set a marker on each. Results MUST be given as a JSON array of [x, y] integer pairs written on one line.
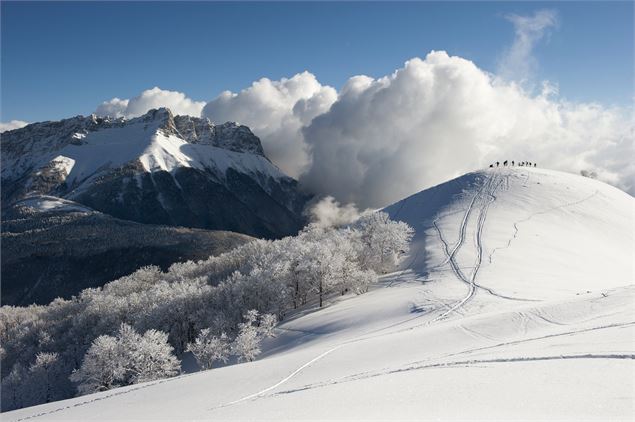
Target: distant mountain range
[[88, 199]]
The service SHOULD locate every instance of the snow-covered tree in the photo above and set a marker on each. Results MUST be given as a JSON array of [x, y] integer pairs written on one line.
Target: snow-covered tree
[[246, 345], [103, 367], [208, 349], [267, 324], [383, 242], [152, 358], [128, 358]]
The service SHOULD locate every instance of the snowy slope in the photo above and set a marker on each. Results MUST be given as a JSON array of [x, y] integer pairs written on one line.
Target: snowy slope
[[544, 330], [523, 230]]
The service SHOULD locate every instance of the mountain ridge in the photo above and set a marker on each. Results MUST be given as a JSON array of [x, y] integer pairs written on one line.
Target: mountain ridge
[[156, 168]]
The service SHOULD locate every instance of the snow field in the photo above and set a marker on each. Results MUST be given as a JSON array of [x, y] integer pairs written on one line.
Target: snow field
[[516, 303]]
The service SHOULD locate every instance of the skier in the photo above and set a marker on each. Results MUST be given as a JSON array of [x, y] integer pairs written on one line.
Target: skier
[[491, 165], [505, 163], [534, 164], [497, 164], [512, 163]]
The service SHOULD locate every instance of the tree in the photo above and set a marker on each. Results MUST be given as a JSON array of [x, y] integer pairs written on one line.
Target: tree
[[267, 324], [383, 242], [208, 348], [246, 345], [43, 374], [102, 368], [128, 358], [152, 359], [13, 391]]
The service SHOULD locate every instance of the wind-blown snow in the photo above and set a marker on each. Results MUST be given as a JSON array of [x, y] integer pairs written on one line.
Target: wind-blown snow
[[544, 331]]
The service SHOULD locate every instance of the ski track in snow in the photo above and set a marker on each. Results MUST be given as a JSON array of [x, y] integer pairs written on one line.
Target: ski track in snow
[[490, 187], [107, 396], [463, 363]]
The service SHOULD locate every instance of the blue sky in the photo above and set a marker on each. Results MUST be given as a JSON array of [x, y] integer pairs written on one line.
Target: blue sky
[[63, 59]]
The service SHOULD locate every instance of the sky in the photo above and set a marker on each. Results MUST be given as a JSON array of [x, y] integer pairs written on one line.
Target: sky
[[365, 103], [62, 59]]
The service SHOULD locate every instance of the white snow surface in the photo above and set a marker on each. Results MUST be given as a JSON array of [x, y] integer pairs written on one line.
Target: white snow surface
[[515, 303]]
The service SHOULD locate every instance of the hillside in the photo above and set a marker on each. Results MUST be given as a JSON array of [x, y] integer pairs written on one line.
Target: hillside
[[515, 303], [55, 248]]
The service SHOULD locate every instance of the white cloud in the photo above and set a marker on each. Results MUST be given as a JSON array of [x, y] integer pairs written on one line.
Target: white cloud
[[114, 108], [13, 124], [434, 119], [518, 62], [328, 212], [156, 97], [276, 111]]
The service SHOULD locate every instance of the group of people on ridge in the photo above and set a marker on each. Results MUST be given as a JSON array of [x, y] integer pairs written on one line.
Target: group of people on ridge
[[520, 164]]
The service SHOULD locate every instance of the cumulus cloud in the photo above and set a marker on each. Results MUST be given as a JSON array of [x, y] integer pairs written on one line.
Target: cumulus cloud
[[156, 97], [276, 111], [441, 116], [518, 62], [328, 212], [113, 108], [13, 124]]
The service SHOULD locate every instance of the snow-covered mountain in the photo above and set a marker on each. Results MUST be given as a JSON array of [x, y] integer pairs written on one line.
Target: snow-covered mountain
[[515, 303], [157, 168]]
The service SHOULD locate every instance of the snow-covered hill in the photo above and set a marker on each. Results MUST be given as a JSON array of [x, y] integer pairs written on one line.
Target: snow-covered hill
[[516, 303], [157, 168]]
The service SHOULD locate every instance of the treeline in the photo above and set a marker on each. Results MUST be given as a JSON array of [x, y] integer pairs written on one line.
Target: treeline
[[133, 329]]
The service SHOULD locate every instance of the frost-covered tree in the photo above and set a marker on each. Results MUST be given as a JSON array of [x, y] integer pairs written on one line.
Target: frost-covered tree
[[128, 358], [267, 324], [382, 241], [103, 367], [208, 349], [246, 345], [151, 358]]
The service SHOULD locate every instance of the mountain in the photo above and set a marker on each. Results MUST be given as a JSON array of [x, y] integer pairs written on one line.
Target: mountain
[[155, 169], [53, 247], [514, 303]]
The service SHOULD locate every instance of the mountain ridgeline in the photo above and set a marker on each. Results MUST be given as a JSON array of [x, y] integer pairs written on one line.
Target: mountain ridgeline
[[155, 169]]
